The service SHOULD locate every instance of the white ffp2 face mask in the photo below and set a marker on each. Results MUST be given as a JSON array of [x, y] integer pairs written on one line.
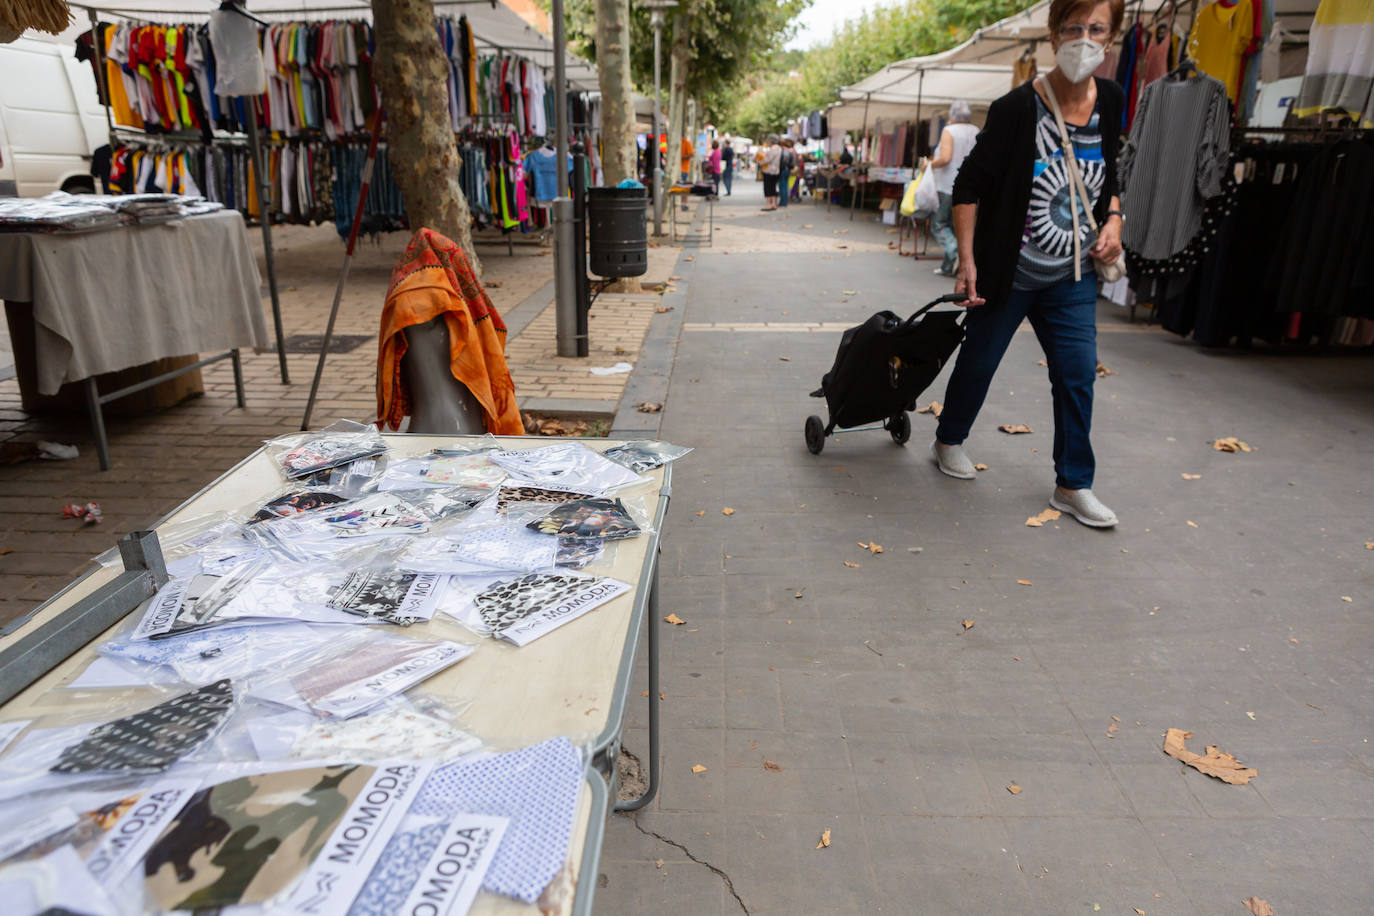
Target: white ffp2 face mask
[[1078, 59]]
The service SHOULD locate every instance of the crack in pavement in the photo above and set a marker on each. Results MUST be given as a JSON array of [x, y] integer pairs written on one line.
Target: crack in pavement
[[729, 885]]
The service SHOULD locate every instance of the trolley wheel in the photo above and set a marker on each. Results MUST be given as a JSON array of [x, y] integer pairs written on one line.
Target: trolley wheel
[[815, 434], [899, 426]]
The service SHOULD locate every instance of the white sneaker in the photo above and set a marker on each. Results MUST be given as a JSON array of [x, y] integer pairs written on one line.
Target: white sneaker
[[951, 460], [1084, 506]]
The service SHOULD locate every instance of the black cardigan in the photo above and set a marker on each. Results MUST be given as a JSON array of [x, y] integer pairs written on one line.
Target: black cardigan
[[997, 176]]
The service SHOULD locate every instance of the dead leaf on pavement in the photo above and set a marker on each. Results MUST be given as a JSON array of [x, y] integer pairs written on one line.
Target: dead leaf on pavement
[[980, 467], [1192, 524], [1214, 763], [664, 308], [1138, 910], [785, 359], [875, 547], [1258, 906], [690, 257], [658, 863], [1024, 582], [968, 624], [1369, 545], [772, 767], [698, 768], [727, 511], [1192, 476], [674, 619], [1041, 362], [701, 513], [674, 277], [1112, 729], [1038, 521], [648, 407], [825, 839], [1347, 599], [807, 226], [1231, 444], [6, 551], [1015, 428], [1103, 370], [1014, 789], [933, 408], [493, 284], [851, 565]]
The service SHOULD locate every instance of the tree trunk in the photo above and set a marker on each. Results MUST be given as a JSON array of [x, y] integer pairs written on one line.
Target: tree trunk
[[620, 158], [413, 78], [680, 56]]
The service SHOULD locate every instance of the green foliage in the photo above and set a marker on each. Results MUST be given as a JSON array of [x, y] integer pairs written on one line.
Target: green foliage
[[862, 46]]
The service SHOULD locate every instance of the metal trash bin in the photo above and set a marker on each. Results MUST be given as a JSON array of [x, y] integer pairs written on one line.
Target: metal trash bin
[[617, 231]]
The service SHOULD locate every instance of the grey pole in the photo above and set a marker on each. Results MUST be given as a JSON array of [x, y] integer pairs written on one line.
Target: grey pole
[[564, 257], [657, 17]]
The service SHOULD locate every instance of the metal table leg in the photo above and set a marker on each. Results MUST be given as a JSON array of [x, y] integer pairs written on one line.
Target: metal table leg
[[93, 407], [238, 378], [637, 803]]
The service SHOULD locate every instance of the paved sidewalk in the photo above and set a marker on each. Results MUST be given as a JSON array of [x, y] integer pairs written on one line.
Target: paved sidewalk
[[161, 459], [830, 691]]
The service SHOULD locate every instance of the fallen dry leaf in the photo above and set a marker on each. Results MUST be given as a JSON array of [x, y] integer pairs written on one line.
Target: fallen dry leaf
[[1214, 763], [1258, 906], [849, 292], [1015, 428], [698, 768], [648, 407], [1192, 476], [493, 284], [807, 226], [1103, 370], [690, 257], [674, 619], [701, 513], [1192, 524], [1347, 599], [1024, 582], [727, 511], [875, 547], [664, 308], [933, 408], [1038, 521], [1138, 910], [1014, 789], [825, 839], [658, 863], [1231, 444], [968, 624], [1041, 362], [785, 359], [851, 565], [980, 467], [1251, 715], [1112, 729], [772, 767], [1369, 545]]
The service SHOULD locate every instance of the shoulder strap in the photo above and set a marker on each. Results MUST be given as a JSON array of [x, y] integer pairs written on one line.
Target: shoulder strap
[[1077, 187]]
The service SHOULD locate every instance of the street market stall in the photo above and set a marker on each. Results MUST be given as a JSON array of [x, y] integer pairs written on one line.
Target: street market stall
[[440, 630]]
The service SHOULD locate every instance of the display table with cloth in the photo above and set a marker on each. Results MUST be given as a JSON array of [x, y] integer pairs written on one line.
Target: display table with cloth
[[108, 300], [574, 682]]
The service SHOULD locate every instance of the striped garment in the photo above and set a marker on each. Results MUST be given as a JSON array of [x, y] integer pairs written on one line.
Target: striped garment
[[1173, 163], [1047, 245], [1340, 62]]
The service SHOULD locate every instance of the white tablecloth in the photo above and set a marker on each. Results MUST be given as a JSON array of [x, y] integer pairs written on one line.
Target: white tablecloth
[[109, 300]]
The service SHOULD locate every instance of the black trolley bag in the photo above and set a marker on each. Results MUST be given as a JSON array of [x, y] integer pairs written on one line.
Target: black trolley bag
[[881, 367]]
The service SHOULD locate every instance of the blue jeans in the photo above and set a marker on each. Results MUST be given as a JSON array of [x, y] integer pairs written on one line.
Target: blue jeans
[[1064, 317], [784, 186], [942, 227], [728, 177]]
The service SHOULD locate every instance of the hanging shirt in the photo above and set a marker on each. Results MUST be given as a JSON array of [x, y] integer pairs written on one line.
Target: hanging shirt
[[1223, 35], [1340, 61], [543, 165], [1047, 245]]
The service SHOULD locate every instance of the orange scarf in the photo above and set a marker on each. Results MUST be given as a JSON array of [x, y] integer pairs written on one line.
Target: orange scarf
[[435, 278]]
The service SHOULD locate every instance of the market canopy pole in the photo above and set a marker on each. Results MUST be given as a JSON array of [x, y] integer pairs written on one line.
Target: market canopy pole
[[657, 9], [863, 148], [565, 256]]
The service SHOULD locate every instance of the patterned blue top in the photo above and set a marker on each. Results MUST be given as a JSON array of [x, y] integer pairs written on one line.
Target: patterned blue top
[[1047, 245]]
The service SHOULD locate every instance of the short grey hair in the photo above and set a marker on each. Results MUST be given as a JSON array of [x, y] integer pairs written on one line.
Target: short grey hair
[[772, 138], [960, 112]]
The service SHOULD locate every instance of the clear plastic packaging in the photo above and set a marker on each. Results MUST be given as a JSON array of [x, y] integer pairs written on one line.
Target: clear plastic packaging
[[339, 443], [353, 479], [387, 594], [602, 518], [502, 544], [56, 883], [523, 608], [330, 534], [296, 501], [642, 455], [422, 730], [509, 495], [566, 466], [580, 553], [195, 602], [444, 503]]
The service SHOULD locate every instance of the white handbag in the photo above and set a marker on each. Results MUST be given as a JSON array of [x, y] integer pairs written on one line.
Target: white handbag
[[1107, 273]]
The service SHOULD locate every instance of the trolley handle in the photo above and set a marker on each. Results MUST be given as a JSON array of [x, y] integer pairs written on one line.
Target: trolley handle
[[947, 297]]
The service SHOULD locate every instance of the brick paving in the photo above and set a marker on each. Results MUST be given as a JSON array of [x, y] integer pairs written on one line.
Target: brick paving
[[160, 459]]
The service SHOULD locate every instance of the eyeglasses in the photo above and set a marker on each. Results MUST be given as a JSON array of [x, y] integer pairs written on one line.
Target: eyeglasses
[[1075, 30]]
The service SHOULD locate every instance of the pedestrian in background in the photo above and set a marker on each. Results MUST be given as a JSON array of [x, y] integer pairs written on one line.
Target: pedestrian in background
[[727, 166], [786, 161], [687, 150], [713, 165], [770, 166], [1025, 253], [955, 143]]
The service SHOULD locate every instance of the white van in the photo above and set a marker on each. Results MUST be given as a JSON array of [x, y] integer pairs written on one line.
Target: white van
[[51, 119]]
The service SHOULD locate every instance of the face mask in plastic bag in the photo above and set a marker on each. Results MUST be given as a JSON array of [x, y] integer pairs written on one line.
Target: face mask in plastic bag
[[322, 535], [603, 518], [353, 479], [352, 676], [566, 466], [236, 649], [447, 502], [342, 442], [510, 495], [56, 883], [397, 730], [580, 553], [468, 470], [643, 455], [296, 502], [394, 596], [521, 610], [500, 545], [154, 739], [194, 603]]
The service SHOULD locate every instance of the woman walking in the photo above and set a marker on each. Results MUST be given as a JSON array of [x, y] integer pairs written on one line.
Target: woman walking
[[1026, 249], [713, 165], [727, 167], [770, 168], [786, 162]]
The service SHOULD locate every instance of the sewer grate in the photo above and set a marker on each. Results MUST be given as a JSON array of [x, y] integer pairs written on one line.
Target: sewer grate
[[339, 343]]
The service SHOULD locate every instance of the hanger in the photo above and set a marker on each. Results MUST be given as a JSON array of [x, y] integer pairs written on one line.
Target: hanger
[[236, 6], [1185, 69]]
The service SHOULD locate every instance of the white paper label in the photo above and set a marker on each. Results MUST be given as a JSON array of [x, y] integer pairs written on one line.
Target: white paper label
[[123, 845], [341, 868], [523, 632], [368, 692], [453, 875], [422, 596], [8, 731], [162, 610], [35, 830]]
